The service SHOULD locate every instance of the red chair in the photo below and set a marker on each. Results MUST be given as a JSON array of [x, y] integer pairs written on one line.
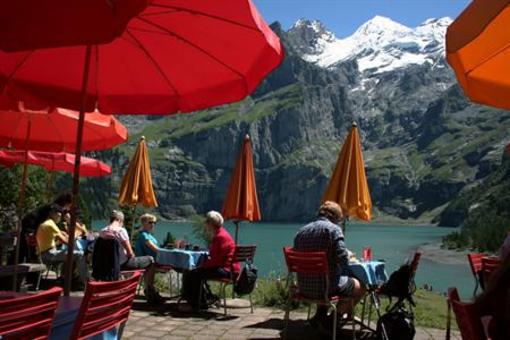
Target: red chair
[[105, 305], [241, 254], [28, 316], [314, 263], [489, 265], [468, 320], [475, 262]]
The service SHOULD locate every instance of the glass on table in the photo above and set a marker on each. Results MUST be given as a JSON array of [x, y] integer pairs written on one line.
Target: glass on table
[[367, 254]]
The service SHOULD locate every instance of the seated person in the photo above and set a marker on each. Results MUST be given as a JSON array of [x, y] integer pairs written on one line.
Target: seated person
[[325, 234], [146, 244], [80, 229], [33, 220], [127, 259], [218, 265], [47, 235]]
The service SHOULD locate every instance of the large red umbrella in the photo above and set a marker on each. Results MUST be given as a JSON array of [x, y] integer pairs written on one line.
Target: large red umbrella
[[177, 55], [31, 24], [56, 161], [55, 130]]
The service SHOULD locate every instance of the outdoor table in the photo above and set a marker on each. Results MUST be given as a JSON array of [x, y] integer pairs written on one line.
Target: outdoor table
[[372, 274], [80, 244], [65, 316], [181, 258]]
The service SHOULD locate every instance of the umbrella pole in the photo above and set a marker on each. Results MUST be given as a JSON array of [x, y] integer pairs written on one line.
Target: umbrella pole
[[21, 203], [344, 224], [237, 230], [133, 218], [51, 176], [76, 177]]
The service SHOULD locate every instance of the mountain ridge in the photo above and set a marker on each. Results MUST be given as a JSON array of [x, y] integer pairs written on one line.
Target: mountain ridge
[[424, 143]]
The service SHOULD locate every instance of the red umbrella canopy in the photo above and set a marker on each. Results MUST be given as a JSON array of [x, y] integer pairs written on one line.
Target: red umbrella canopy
[[55, 130], [177, 55], [56, 161], [32, 24]]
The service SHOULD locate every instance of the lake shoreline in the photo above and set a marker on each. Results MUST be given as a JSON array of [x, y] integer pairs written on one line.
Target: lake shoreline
[[435, 253]]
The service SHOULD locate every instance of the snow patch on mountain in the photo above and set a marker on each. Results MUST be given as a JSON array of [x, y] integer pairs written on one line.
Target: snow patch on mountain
[[379, 45]]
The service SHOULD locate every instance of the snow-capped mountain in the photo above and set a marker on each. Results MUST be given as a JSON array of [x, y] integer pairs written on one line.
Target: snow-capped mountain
[[378, 46]]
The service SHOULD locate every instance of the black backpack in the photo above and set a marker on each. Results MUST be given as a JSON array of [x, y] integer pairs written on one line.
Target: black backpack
[[398, 324], [400, 285], [247, 279]]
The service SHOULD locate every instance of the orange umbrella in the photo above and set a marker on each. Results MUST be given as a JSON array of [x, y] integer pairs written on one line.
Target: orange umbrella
[[241, 203], [477, 46], [136, 185], [348, 185]]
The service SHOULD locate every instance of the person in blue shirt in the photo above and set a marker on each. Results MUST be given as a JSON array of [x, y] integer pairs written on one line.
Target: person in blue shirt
[[146, 243]]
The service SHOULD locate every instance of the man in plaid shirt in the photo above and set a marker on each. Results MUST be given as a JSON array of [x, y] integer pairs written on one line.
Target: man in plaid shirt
[[325, 234]]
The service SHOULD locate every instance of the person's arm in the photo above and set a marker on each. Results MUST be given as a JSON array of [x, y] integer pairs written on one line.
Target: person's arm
[[216, 258], [152, 246], [62, 236], [340, 252], [127, 247], [80, 229]]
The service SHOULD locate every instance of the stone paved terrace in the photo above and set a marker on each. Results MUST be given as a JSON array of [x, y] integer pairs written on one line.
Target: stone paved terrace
[[167, 322]]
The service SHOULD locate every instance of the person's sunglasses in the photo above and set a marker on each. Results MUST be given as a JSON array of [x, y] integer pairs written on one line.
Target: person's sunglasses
[[152, 222]]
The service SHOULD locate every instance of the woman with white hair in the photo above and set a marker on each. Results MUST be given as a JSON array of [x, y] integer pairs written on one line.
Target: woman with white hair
[[219, 263]]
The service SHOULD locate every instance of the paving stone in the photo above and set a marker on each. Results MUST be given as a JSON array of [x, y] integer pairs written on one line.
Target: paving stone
[[154, 334], [185, 333], [265, 323]]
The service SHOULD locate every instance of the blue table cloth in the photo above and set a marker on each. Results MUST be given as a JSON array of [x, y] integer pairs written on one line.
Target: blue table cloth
[[65, 316], [372, 273], [81, 244], [180, 258]]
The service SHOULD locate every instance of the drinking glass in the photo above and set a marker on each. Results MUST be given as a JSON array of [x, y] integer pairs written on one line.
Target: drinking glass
[[367, 254]]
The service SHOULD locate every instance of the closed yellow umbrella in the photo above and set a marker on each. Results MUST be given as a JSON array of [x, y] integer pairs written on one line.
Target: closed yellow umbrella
[[348, 185], [136, 187]]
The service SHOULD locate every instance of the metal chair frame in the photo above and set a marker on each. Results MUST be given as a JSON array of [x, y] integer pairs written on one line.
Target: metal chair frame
[[311, 263], [241, 254]]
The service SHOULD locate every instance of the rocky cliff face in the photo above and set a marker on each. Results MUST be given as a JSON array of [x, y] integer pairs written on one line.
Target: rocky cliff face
[[424, 143]]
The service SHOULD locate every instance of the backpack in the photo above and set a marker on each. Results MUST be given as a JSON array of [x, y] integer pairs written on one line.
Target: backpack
[[398, 325], [400, 285], [247, 279]]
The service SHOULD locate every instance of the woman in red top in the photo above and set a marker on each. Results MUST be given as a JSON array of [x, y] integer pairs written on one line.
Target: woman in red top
[[219, 263]]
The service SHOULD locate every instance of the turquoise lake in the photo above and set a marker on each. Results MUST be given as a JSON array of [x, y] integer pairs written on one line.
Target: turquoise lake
[[392, 243]]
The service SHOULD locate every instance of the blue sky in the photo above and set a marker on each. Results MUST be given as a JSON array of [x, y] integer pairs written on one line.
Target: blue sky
[[343, 17]]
